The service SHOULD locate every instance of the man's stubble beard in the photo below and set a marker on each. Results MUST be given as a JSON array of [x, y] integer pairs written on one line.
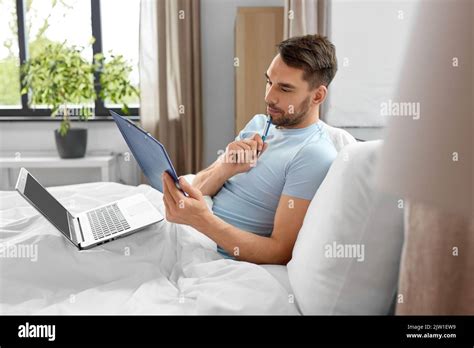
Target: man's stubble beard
[[293, 119]]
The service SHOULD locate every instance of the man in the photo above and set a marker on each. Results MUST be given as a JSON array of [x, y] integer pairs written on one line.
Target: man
[[259, 203]]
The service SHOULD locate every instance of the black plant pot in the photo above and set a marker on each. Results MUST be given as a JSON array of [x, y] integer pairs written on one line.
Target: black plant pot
[[73, 144]]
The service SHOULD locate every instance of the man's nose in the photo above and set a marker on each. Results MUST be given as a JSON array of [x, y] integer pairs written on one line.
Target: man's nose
[[270, 98]]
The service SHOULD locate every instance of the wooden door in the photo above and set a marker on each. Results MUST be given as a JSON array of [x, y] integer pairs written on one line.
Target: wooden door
[[257, 32]]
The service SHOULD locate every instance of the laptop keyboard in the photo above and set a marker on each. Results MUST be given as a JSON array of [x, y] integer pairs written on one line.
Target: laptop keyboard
[[106, 221]]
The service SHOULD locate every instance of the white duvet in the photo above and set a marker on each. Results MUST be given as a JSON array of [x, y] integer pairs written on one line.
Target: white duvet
[[163, 269]]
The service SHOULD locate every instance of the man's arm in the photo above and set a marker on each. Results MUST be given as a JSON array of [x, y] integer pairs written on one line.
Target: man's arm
[[210, 180], [245, 246]]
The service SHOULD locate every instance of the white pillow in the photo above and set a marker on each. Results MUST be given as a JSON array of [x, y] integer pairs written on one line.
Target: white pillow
[[346, 257], [338, 136]]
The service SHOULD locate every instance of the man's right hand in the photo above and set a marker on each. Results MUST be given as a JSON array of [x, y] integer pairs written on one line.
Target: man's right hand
[[241, 155]]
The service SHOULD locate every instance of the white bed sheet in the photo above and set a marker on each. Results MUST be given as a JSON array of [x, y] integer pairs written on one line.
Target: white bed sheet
[[163, 269]]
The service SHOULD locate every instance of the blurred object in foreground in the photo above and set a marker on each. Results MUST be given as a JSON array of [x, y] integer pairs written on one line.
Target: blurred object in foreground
[[429, 158]]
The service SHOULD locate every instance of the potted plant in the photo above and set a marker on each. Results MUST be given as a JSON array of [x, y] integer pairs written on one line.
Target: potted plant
[[60, 77]]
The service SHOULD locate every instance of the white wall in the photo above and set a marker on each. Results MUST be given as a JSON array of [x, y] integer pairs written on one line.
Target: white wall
[[38, 137], [371, 38]]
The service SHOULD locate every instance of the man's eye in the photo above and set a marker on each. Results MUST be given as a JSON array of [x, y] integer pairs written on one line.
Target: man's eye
[[285, 90]]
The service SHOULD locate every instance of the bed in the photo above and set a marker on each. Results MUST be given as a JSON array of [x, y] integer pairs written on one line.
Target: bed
[[173, 269], [163, 269]]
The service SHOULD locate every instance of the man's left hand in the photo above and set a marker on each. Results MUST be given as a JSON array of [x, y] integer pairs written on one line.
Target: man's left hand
[[192, 210]]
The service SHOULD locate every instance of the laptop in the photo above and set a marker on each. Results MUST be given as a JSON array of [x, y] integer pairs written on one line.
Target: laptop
[[92, 227], [150, 154]]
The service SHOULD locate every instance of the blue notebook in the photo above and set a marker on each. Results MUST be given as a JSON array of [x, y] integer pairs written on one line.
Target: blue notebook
[[150, 154]]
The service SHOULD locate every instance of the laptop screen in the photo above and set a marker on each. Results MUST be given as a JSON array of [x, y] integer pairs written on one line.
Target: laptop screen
[[47, 204]]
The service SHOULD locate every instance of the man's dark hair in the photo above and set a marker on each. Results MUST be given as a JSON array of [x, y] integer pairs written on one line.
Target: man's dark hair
[[315, 54]]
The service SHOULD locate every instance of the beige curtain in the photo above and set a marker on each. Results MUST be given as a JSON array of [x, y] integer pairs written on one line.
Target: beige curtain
[[437, 269], [170, 79], [304, 17]]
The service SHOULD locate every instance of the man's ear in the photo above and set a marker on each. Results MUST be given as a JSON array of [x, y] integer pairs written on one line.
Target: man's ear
[[319, 95]]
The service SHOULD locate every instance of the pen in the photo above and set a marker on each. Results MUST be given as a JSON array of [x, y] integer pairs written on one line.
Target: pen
[[265, 132], [267, 127]]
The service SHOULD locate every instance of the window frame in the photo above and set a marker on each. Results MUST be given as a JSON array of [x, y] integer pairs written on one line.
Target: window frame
[[101, 112]]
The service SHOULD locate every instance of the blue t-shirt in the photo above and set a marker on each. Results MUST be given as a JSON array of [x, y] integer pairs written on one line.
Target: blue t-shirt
[[295, 163]]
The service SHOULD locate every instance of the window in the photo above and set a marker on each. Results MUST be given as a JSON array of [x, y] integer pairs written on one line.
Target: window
[[122, 39], [57, 21], [26, 26], [48, 21]]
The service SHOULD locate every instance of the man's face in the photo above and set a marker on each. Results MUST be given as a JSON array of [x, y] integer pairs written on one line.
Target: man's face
[[288, 97]]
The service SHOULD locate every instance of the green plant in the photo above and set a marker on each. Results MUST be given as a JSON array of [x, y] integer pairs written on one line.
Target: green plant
[[59, 76], [114, 82]]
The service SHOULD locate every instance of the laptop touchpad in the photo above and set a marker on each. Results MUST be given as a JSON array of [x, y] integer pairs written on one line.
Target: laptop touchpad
[[138, 208]]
